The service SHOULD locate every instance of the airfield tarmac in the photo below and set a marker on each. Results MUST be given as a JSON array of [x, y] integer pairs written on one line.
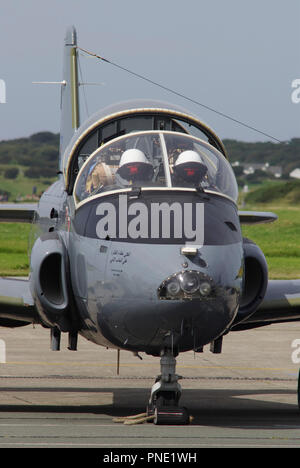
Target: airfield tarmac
[[244, 397]]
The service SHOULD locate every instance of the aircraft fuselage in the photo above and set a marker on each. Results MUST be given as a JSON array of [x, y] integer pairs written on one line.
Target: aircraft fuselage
[[143, 231], [117, 282]]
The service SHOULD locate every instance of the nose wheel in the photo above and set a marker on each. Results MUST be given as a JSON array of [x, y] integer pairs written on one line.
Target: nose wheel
[[165, 394]]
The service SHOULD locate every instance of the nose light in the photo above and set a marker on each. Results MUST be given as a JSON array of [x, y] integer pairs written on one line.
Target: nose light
[[186, 285], [173, 287], [205, 288], [189, 282]]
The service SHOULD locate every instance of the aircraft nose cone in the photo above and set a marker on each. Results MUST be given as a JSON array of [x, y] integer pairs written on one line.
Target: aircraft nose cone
[[190, 311]]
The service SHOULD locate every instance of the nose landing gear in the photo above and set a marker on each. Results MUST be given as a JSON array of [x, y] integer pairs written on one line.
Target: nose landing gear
[[165, 394]]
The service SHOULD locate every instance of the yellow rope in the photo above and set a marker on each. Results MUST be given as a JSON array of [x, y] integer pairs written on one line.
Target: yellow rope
[[136, 419], [139, 421]]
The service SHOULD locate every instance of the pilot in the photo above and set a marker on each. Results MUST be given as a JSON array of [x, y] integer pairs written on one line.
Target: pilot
[[100, 175], [190, 168], [135, 167]]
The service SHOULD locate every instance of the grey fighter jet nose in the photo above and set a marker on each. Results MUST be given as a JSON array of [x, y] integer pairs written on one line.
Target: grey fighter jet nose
[[186, 285], [189, 311]]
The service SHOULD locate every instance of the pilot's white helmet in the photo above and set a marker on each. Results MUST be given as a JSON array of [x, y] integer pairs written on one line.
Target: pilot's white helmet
[[190, 166], [135, 166], [133, 155], [188, 156]]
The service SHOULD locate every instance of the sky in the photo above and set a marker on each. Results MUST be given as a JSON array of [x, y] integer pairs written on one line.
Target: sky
[[239, 57]]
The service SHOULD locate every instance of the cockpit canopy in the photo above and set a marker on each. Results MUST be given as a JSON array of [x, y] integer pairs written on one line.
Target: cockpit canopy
[[124, 118], [155, 159]]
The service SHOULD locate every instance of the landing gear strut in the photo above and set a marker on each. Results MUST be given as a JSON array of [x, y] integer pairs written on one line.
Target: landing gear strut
[[165, 394]]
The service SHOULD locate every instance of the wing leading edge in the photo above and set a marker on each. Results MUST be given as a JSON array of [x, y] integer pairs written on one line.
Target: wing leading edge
[[281, 304], [257, 217], [16, 303], [15, 213]]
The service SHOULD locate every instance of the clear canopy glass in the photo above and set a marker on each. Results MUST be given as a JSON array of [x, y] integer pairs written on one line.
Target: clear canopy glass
[[155, 159]]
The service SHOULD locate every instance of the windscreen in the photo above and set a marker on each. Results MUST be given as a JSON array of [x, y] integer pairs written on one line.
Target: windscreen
[[155, 159], [196, 164]]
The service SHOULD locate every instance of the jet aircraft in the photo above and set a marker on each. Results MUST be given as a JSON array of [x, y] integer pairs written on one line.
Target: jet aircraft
[[137, 246]]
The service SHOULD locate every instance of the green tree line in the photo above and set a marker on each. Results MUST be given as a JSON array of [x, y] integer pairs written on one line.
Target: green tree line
[[285, 154], [39, 154]]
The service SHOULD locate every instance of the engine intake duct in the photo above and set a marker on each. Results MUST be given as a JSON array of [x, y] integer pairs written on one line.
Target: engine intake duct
[[49, 281], [255, 280]]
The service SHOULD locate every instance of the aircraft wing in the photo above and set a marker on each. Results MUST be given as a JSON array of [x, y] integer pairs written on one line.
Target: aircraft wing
[[281, 304], [16, 303], [17, 213], [256, 217]]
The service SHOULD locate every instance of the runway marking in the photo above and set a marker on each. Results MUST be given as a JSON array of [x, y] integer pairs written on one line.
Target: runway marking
[[198, 427], [138, 377], [181, 366], [60, 425], [144, 445]]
